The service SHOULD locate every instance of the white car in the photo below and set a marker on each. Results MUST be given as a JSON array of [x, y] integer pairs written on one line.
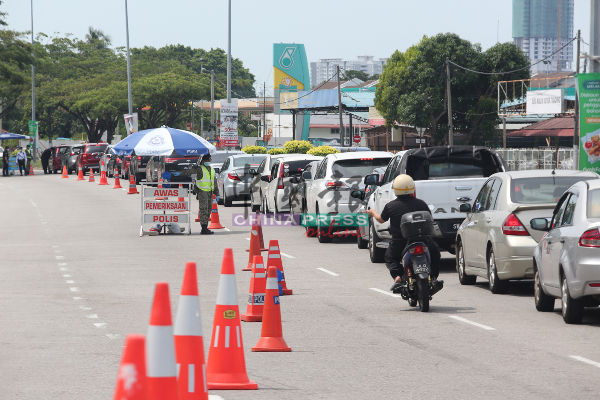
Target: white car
[[336, 177], [567, 259], [261, 177], [277, 196]]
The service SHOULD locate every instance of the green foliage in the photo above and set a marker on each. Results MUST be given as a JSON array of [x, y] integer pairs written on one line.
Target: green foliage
[[351, 74], [276, 151], [323, 151], [15, 68], [297, 146], [254, 150]]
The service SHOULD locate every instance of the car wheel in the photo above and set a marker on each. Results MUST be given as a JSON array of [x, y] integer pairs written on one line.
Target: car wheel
[[360, 242], [543, 302], [323, 235], [227, 202], [376, 254], [463, 278], [497, 286], [572, 310]]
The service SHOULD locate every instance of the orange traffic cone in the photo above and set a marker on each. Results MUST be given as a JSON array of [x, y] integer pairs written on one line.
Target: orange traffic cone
[[80, 174], [161, 371], [117, 180], [256, 298], [271, 336], [215, 223], [65, 173], [198, 218], [131, 379], [31, 170], [226, 365], [254, 249], [160, 187], [132, 188], [274, 260], [258, 223], [189, 345], [92, 176], [182, 200], [103, 180]]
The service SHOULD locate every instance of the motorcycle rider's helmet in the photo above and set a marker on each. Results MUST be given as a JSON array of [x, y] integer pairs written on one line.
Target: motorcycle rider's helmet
[[403, 184]]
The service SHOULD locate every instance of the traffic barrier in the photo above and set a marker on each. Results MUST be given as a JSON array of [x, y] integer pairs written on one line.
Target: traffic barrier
[[92, 176], [65, 173], [103, 180], [160, 187], [131, 378], [160, 348], [274, 260], [80, 174], [132, 188], [215, 223], [226, 365], [256, 296], [117, 180], [189, 345], [271, 336], [260, 233], [31, 169], [181, 200], [254, 247]]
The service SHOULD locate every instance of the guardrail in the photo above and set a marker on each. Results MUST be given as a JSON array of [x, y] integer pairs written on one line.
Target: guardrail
[[529, 159]]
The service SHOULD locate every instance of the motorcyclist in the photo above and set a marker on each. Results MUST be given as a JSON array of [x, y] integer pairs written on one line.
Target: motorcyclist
[[405, 202]]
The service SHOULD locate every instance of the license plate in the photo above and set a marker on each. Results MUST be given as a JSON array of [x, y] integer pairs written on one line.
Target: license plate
[[418, 268]]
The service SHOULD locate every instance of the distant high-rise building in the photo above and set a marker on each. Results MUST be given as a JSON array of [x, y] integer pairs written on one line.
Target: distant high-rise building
[[325, 68], [542, 27]]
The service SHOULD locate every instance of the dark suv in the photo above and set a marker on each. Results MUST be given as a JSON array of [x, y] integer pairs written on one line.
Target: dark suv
[[69, 158], [55, 162], [137, 167], [174, 164], [90, 156]]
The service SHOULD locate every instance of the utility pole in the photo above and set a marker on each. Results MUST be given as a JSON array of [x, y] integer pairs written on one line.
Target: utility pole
[[192, 116], [229, 57], [265, 109], [595, 35], [33, 91], [449, 97], [576, 125], [340, 107], [212, 105], [504, 132], [201, 117], [128, 62], [558, 38]]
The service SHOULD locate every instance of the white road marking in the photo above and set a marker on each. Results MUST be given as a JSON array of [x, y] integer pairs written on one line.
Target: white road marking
[[384, 292], [85, 308], [214, 397], [63, 269], [57, 251], [100, 325], [487, 328], [247, 238], [74, 289], [227, 229], [112, 335], [70, 281], [92, 316], [32, 203], [59, 257], [66, 276], [327, 271], [286, 255], [77, 298], [62, 264], [585, 360]]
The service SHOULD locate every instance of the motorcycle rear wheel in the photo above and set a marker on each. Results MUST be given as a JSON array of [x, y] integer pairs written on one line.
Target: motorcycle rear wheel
[[423, 295]]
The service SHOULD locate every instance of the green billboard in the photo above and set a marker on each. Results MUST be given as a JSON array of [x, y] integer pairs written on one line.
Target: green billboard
[[588, 88]]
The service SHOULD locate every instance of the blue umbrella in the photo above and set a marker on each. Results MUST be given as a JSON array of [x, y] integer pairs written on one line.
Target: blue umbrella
[[8, 135], [163, 141]]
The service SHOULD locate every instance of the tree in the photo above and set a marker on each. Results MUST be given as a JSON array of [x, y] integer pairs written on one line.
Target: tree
[[374, 77], [351, 74], [15, 68], [97, 38]]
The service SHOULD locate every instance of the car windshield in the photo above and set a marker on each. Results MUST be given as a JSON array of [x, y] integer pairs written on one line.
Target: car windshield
[[449, 169], [541, 189], [242, 161], [357, 167], [95, 149], [594, 204], [219, 158], [294, 168]]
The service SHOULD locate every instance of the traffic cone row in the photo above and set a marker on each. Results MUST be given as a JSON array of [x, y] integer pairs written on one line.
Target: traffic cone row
[[274, 260], [103, 180], [65, 173]]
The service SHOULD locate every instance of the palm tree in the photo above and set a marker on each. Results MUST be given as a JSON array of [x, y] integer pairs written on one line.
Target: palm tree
[[97, 37]]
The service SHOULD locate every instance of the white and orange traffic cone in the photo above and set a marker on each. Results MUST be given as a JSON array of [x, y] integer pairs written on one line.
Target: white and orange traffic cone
[[271, 336], [226, 364], [258, 223], [132, 188], [91, 176], [256, 297], [31, 169], [254, 247], [189, 344], [117, 180], [274, 260], [131, 378], [161, 370], [103, 180], [65, 173], [182, 199], [80, 174], [215, 223]]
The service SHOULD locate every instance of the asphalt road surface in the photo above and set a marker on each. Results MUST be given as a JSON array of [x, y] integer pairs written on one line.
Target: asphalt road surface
[[77, 278]]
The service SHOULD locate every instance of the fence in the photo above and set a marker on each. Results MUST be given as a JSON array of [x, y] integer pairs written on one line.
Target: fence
[[528, 159]]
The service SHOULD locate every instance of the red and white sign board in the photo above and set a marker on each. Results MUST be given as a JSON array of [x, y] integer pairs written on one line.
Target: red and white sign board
[[172, 192], [357, 138], [165, 205], [165, 218]]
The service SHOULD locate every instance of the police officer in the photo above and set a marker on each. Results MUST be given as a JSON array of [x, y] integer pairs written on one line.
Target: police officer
[[29, 158], [206, 186], [405, 202]]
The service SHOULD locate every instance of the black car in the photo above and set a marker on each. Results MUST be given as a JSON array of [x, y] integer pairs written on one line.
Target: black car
[[175, 164], [137, 167]]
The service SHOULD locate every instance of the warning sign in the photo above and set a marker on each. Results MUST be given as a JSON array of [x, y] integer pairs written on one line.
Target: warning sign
[[166, 205], [175, 192], [165, 218]]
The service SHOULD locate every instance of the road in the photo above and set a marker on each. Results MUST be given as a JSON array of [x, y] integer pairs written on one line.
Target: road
[[77, 278]]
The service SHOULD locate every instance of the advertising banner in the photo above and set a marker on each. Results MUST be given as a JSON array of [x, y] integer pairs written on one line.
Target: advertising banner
[[545, 101], [131, 123], [307, 99], [588, 90], [33, 128], [229, 123]]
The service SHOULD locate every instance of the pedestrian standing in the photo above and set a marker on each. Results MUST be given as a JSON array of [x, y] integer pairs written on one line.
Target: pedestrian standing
[[206, 182], [21, 158], [5, 156], [29, 157], [45, 157]]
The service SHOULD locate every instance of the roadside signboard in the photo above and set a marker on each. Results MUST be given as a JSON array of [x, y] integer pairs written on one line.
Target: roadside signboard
[[166, 218], [163, 206], [131, 123], [172, 192], [33, 128], [256, 117], [550, 101], [229, 123], [357, 138], [588, 90]]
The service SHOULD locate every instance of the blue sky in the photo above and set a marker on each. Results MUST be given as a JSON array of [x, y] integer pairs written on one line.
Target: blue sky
[[328, 28]]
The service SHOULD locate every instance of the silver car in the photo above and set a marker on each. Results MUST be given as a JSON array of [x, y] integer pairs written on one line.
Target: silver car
[[219, 157], [261, 177], [567, 259], [496, 241], [234, 179]]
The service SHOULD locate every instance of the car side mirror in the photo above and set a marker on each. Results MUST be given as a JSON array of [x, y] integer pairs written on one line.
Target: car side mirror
[[465, 208], [294, 179], [217, 170], [372, 179], [252, 171], [540, 224], [265, 178], [358, 194], [306, 175]]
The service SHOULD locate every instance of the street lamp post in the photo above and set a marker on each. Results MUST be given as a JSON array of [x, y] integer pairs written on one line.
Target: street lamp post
[[33, 91], [128, 62], [229, 56]]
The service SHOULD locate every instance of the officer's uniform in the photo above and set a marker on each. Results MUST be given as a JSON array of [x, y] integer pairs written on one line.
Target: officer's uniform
[[29, 157], [206, 186], [393, 211]]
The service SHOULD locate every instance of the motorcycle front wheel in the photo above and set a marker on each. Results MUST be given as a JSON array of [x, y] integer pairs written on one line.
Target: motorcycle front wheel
[[423, 295]]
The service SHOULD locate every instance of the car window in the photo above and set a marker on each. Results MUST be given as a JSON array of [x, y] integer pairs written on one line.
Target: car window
[[391, 169], [492, 200], [261, 167], [95, 149], [482, 197], [357, 167], [321, 169], [556, 218], [294, 167], [251, 160], [452, 169], [274, 169], [542, 189], [593, 209], [570, 210]]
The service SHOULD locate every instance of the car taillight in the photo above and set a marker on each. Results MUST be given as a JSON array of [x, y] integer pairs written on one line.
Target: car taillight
[[512, 226], [139, 157], [72, 154], [233, 176], [595, 284], [366, 159], [418, 250], [590, 238], [280, 180], [334, 185]]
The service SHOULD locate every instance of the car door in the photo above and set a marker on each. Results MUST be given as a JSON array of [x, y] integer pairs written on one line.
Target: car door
[[272, 185], [548, 268], [560, 235], [222, 175], [488, 230], [255, 184], [385, 193], [312, 192], [474, 256]]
